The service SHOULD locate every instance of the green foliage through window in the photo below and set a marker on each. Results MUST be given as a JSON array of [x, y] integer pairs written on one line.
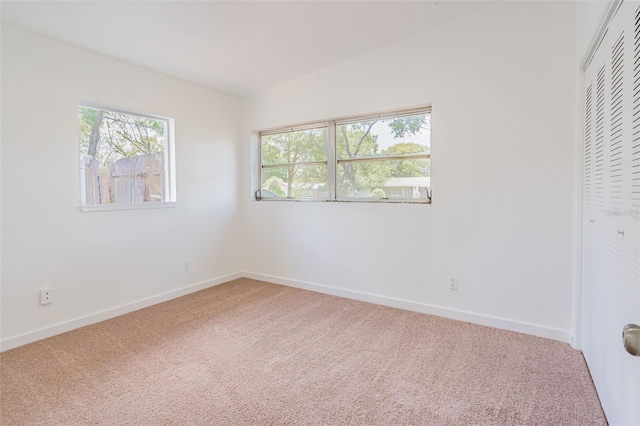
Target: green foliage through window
[[122, 157], [382, 158]]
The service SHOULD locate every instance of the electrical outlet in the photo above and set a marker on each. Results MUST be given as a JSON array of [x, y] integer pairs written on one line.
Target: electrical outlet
[[46, 296], [187, 265], [453, 283]]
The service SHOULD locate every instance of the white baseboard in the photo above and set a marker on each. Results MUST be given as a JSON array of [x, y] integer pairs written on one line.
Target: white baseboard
[[505, 324], [490, 321], [63, 327]]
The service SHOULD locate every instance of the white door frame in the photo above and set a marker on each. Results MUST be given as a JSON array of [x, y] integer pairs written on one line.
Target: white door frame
[[576, 285]]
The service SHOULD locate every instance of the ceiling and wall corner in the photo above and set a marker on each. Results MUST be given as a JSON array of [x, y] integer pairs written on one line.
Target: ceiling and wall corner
[[233, 47]]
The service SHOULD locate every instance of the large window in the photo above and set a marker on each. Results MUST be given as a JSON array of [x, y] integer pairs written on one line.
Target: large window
[[125, 158], [382, 158]]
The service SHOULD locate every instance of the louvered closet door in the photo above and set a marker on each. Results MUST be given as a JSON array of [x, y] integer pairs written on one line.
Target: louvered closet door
[[611, 213]]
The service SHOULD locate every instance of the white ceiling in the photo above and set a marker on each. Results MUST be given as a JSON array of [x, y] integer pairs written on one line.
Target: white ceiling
[[236, 47]]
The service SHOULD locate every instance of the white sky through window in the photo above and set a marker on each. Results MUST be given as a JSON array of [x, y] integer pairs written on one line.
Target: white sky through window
[[386, 139]]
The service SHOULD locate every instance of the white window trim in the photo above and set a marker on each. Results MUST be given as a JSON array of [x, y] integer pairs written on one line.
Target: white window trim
[[169, 165], [131, 206], [332, 161]]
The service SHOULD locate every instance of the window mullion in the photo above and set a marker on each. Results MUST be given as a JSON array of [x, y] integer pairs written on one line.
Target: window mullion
[[282, 165], [331, 163], [385, 158], [260, 163]]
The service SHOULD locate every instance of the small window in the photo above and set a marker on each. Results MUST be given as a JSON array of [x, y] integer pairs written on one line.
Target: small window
[[295, 164], [125, 158], [383, 158]]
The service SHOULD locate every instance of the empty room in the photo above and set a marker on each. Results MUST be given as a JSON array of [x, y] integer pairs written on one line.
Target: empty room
[[320, 212]]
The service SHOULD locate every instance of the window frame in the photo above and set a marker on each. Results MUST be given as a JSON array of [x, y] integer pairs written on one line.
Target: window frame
[[289, 129], [333, 162], [169, 164]]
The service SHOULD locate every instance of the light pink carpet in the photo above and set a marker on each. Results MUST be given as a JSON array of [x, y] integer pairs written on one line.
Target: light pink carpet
[[252, 353]]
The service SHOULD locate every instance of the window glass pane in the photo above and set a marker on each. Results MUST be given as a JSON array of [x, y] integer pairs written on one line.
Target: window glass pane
[[295, 181], [399, 179], [384, 137], [301, 146], [122, 157]]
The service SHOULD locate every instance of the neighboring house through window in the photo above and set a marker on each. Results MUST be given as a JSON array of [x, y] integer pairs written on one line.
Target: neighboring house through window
[[381, 158]]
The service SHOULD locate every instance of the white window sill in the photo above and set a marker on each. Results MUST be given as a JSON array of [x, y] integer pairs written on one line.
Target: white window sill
[[132, 206], [346, 200]]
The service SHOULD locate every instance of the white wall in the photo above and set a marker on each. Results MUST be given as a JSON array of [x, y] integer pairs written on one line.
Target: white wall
[[99, 261], [502, 86]]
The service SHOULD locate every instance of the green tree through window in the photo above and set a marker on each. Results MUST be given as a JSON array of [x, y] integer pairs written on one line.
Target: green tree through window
[[369, 155], [123, 157]]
